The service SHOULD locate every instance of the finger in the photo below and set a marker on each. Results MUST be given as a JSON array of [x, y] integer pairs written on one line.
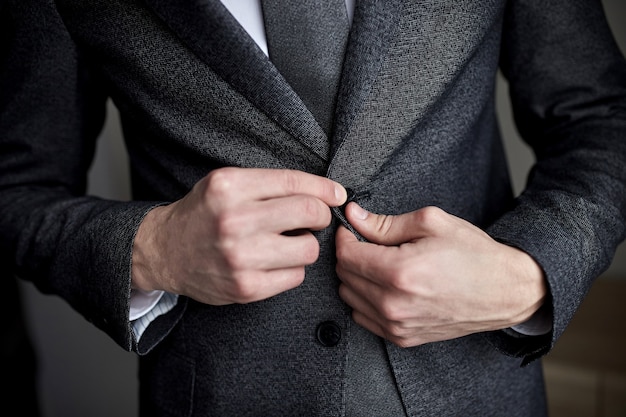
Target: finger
[[369, 320], [275, 216], [280, 280], [261, 184], [255, 286], [363, 312], [395, 333], [395, 230], [349, 253], [345, 238], [274, 252], [369, 324], [370, 261], [386, 306], [295, 213], [358, 301]]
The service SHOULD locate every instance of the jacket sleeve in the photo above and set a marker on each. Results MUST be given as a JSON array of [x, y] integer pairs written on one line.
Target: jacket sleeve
[[567, 82], [51, 111]]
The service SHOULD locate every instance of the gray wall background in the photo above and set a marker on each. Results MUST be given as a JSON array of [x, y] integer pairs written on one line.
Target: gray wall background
[[83, 373]]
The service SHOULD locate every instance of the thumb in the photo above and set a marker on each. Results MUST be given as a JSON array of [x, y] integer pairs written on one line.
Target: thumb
[[382, 229]]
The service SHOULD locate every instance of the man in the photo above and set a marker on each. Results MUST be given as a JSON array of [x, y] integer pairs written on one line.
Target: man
[[280, 259]]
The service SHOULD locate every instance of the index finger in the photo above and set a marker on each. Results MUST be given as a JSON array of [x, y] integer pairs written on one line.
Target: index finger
[[264, 184], [366, 260]]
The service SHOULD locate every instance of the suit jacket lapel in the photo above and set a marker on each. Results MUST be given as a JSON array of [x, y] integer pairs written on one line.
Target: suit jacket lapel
[[216, 37], [373, 27]]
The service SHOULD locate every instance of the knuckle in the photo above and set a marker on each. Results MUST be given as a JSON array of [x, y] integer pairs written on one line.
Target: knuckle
[[390, 313], [430, 216], [313, 209], [311, 250], [243, 288], [220, 182], [297, 277], [227, 224], [291, 181], [395, 331], [399, 279], [384, 224], [400, 335], [234, 257], [313, 212], [403, 343], [230, 247]]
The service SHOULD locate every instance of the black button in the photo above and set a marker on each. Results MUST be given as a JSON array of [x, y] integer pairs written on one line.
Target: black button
[[339, 213], [328, 333], [351, 194]]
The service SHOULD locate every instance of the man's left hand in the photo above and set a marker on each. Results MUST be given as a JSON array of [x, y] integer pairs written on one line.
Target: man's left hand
[[428, 276]]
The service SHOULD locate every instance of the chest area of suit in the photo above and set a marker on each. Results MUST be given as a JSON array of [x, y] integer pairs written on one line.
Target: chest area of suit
[[127, 39]]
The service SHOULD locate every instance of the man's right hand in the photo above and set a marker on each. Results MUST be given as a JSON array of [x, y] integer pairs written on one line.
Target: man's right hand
[[240, 235]]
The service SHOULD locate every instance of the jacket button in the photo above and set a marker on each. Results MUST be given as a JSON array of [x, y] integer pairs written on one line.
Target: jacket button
[[328, 333]]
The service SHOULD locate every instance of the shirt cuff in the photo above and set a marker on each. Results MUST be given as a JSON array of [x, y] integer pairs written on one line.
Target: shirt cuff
[[147, 306], [142, 301], [538, 324]]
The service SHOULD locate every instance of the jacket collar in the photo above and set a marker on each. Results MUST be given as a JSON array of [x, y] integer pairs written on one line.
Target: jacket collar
[[215, 36]]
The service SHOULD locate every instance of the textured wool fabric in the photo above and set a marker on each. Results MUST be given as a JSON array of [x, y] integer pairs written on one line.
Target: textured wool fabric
[[415, 125], [306, 41]]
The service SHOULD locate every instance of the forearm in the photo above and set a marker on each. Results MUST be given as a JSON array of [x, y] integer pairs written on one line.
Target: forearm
[[77, 248], [566, 79]]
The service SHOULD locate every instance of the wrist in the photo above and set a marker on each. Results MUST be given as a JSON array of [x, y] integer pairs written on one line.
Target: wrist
[[145, 252], [529, 284]]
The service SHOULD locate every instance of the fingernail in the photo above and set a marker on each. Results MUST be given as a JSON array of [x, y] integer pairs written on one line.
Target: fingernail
[[340, 193], [359, 212]]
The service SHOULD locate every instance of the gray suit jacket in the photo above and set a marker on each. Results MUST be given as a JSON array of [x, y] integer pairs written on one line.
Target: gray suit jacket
[[415, 126]]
